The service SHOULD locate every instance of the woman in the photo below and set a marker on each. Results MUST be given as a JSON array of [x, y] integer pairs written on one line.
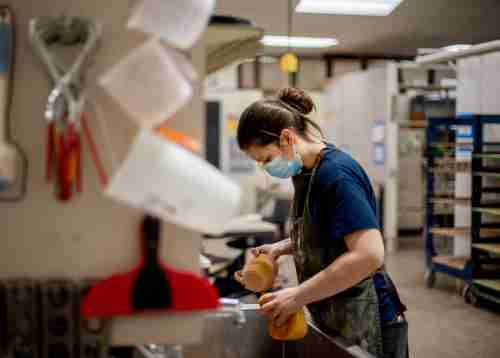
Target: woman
[[335, 238]]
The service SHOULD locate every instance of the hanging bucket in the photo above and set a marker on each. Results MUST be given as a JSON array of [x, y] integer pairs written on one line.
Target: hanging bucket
[[172, 183]]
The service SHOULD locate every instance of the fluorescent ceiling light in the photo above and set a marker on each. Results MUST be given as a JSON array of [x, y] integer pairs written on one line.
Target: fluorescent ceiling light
[[306, 42], [268, 59], [348, 7], [426, 51], [457, 47]]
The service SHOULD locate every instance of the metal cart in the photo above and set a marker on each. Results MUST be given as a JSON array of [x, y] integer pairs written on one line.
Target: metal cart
[[485, 251], [441, 167]]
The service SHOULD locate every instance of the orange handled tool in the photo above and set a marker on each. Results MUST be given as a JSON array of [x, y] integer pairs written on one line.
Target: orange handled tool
[[50, 150], [93, 151]]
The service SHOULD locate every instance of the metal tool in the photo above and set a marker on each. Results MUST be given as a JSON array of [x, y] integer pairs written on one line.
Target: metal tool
[[236, 304], [8, 153], [64, 125], [13, 159], [65, 30]]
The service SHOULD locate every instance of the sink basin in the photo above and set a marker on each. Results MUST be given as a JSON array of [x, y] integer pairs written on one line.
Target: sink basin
[[224, 338]]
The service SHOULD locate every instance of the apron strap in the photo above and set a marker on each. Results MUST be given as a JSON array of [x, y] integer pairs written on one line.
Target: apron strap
[[400, 306]]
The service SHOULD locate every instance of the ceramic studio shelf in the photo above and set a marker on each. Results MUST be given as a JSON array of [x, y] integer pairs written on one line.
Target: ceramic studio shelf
[[463, 231], [490, 211], [491, 248], [451, 261]]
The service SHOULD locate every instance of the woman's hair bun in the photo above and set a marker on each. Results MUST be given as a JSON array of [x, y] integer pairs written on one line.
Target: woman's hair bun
[[297, 98]]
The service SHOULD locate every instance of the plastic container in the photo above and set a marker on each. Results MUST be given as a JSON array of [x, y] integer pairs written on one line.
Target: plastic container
[[183, 63], [170, 182], [149, 84], [259, 273], [180, 22]]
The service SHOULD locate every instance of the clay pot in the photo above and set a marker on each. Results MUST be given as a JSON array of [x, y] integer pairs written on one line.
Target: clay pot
[[293, 329], [259, 273]]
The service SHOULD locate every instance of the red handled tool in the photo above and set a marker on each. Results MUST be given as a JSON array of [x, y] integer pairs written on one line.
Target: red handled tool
[[64, 147], [151, 286]]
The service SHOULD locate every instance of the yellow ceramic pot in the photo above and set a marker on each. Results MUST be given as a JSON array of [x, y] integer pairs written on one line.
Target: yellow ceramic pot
[[259, 273], [293, 329]]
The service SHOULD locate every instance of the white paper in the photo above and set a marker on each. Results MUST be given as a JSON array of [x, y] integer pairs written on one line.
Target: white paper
[[183, 64], [148, 84]]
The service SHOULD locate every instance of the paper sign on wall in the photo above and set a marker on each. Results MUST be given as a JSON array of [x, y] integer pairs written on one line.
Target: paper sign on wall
[[378, 142], [239, 162]]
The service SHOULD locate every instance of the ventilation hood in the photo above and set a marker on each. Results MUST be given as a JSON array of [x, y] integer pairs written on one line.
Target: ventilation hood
[[229, 39]]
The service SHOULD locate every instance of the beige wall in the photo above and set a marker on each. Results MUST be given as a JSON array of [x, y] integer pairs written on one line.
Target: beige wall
[[91, 235], [353, 101]]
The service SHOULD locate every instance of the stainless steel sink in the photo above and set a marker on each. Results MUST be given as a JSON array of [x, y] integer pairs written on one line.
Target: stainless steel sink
[[224, 337], [234, 332]]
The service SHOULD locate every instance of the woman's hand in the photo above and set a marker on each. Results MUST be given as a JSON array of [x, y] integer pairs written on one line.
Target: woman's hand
[[274, 251], [271, 250], [280, 305]]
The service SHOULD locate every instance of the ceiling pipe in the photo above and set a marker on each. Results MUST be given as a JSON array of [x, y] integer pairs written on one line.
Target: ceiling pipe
[[368, 57], [446, 56]]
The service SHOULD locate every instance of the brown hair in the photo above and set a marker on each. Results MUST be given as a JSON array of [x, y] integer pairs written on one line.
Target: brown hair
[[262, 122]]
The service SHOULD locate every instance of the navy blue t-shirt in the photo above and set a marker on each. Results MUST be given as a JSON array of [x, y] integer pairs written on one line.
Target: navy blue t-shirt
[[342, 191]]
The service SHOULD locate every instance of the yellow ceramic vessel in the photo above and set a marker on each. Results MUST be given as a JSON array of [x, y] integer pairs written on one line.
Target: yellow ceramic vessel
[[295, 328], [258, 274]]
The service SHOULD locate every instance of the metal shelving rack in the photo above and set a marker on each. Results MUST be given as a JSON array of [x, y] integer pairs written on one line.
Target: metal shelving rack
[[485, 251], [444, 167]]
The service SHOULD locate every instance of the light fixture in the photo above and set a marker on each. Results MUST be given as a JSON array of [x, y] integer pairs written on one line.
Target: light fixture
[[268, 59], [293, 41], [457, 47], [289, 63], [348, 7]]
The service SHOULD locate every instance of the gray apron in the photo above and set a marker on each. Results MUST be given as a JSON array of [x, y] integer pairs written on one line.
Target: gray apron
[[353, 314]]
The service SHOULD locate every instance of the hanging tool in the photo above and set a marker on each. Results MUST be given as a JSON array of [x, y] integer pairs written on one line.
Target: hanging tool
[[65, 121], [13, 161], [8, 154], [152, 285]]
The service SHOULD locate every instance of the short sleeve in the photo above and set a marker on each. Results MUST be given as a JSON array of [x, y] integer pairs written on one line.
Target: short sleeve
[[348, 208]]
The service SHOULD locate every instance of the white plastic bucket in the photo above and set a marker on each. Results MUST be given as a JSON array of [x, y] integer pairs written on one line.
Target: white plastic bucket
[[149, 84], [169, 181], [180, 22]]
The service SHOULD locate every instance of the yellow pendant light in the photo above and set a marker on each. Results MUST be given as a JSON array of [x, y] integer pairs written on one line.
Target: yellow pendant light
[[289, 62]]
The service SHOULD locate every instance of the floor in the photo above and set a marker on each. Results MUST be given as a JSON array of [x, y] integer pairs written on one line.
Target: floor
[[442, 325]]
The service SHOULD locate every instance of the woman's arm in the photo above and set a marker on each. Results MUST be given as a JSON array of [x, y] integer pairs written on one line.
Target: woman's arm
[[285, 247], [365, 256]]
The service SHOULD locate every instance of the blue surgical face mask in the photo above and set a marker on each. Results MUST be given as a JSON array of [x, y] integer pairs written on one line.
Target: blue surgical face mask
[[283, 168]]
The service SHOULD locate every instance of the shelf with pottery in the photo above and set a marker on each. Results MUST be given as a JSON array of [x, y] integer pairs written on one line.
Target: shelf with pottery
[[464, 231]]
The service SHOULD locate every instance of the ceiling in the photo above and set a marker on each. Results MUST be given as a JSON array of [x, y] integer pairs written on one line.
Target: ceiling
[[413, 24]]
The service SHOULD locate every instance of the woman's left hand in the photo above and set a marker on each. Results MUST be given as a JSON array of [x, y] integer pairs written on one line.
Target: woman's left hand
[[280, 305]]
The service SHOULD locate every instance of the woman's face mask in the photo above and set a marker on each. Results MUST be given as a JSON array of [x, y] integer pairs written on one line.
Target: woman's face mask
[[283, 168], [276, 162]]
